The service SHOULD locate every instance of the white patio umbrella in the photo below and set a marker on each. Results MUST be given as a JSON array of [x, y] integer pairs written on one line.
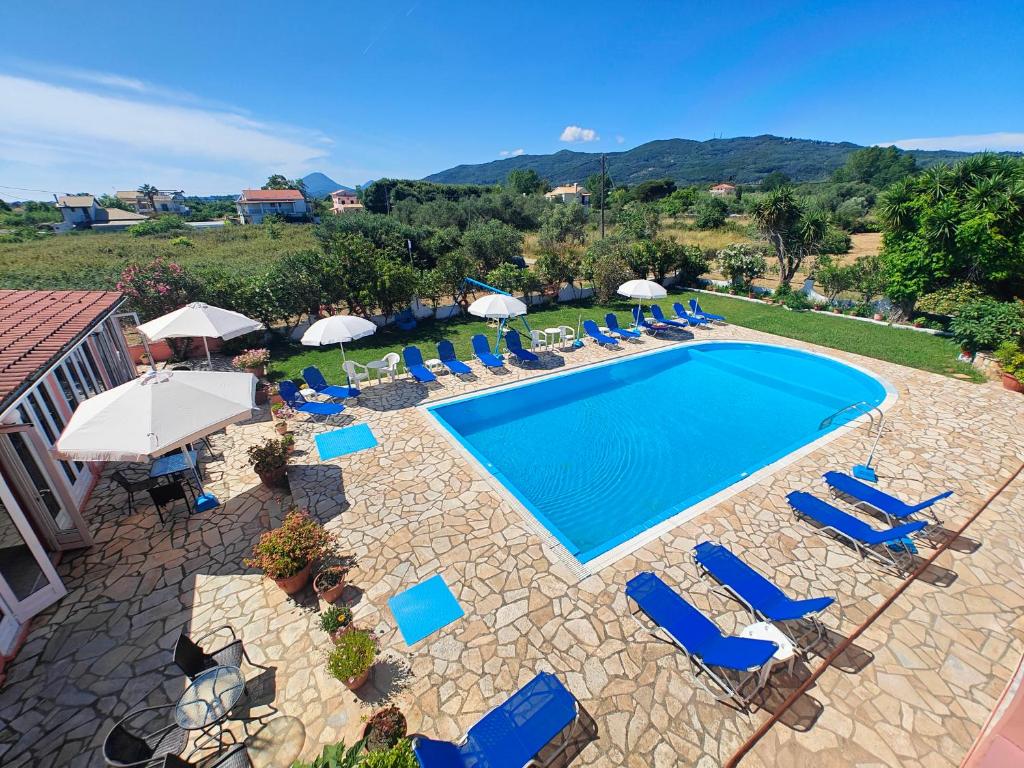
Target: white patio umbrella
[[337, 329], [156, 413], [497, 306], [199, 319], [641, 290]]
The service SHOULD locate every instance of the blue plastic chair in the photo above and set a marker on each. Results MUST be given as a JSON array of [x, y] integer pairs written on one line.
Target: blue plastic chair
[[446, 354], [695, 308], [414, 365], [658, 315], [315, 379], [612, 322], [512, 734], [888, 546], [682, 314], [483, 353], [290, 394], [514, 342], [590, 328], [642, 322], [699, 637], [894, 509], [764, 600]]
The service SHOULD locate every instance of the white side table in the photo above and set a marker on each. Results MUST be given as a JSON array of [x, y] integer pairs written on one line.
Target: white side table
[[379, 367], [308, 393], [786, 654], [434, 364]]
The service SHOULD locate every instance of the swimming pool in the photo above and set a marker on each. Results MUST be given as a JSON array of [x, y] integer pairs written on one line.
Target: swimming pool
[[602, 454]]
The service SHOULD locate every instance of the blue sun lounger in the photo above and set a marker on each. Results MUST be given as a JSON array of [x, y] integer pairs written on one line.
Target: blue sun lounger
[[894, 509], [682, 314], [514, 342], [645, 324], [659, 316], [699, 638], [290, 394], [764, 600], [483, 353], [316, 381], [512, 734], [446, 354], [414, 365], [695, 308], [888, 546], [590, 328], [612, 322]]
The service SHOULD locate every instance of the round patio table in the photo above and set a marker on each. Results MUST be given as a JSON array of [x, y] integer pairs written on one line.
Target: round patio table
[[207, 701], [378, 367], [786, 653]]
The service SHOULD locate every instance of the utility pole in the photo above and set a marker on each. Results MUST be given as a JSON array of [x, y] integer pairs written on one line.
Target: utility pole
[[602, 196]]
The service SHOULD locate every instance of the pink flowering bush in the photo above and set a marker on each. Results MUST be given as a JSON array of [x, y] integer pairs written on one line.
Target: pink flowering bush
[[157, 288], [251, 358]]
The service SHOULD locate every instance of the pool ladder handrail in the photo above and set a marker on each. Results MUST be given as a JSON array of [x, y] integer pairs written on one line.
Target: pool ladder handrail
[[866, 409]]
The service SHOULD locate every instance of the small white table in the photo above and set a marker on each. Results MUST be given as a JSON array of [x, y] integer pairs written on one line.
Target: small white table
[[554, 335], [434, 364], [786, 654], [308, 393], [379, 367]]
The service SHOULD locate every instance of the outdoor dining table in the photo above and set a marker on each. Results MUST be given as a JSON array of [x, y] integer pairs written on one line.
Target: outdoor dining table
[[206, 702], [173, 464]]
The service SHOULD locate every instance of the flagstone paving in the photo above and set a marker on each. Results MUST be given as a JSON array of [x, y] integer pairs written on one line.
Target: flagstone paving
[[914, 690]]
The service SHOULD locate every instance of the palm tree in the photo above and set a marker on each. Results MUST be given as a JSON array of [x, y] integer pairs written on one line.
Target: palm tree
[[149, 192]]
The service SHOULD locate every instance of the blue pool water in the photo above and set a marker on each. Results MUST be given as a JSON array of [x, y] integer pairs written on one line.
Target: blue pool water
[[601, 454]]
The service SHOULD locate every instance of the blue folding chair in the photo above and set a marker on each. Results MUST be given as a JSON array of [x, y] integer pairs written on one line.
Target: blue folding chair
[[700, 639], [315, 380], [446, 354], [693, 320], [645, 324], [891, 547], [482, 351], [290, 394], [414, 365], [612, 322], [764, 600], [659, 316], [695, 308], [512, 734], [894, 509], [590, 329], [514, 342]]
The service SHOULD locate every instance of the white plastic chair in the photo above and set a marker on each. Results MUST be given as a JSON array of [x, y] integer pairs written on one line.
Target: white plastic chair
[[568, 335], [356, 372], [538, 340], [392, 359]]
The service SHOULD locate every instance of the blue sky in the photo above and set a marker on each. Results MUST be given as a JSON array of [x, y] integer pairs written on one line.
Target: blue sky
[[211, 97]]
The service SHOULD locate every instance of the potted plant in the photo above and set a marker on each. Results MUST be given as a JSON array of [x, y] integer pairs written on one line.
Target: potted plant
[[352, 657], [385, 728], [281, 413], [253, 361], [288, 440], [329, 583], [270, 460], [1011, 361], [287, 554], [336, 621]]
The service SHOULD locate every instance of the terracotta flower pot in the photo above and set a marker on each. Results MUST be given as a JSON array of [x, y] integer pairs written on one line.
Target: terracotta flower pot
[[274, 478], [281, 427], [401, 731], [337, 634], [258, 372], [877, 316], [330, 594], [1012, 383], [355, 683], [296, 583]]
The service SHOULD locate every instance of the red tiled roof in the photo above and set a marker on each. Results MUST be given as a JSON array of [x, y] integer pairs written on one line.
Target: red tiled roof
[[37, 327], [270, 195]]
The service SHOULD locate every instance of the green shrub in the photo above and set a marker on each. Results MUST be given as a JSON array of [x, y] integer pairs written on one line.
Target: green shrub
[[336, 756], [399, 756], [796, 301], [742, 263], [1011, 359], [987, 323], [948, 301], [158, 226]]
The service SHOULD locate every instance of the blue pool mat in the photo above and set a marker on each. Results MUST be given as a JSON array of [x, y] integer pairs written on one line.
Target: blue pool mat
[[331, 445], [424, 609]]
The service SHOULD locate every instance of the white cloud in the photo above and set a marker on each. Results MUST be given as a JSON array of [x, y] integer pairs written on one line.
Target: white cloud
[[512, 152], [64, 136], [979, 142], [573, 133], [620, 139]]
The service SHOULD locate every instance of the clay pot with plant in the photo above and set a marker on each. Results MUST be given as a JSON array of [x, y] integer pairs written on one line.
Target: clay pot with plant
[[287, 554], [270, 462], [385, 728], [351, 658], [288, 440], [1010, 355], [336, 621], [253, 361], [329, 583]]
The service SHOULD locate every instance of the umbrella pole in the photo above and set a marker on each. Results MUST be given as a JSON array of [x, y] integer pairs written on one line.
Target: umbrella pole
[[343, 361], [195, 470], [209, 363]]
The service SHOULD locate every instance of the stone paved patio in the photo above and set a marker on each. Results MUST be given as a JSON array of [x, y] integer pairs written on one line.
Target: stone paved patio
[[914, 691]]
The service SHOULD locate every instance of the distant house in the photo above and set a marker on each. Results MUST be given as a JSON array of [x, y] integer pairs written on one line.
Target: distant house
[[723, 190], [165, 201], [83, 212], [255, 204], [344, 201], [570, 193]]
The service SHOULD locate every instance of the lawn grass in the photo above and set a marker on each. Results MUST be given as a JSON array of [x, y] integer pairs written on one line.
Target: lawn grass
[[910, 348]]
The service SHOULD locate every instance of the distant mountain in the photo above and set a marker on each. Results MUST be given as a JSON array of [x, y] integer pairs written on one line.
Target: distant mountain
[[320, 184], [745, 159]]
